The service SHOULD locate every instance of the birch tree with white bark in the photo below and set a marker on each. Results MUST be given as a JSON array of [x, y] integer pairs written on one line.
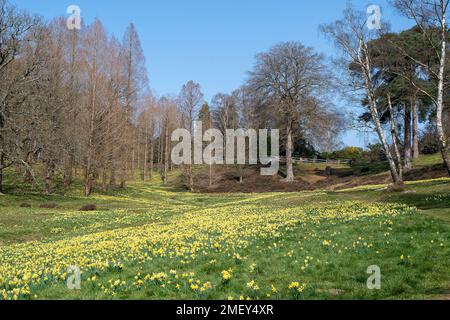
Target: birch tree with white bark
[[351, 36]]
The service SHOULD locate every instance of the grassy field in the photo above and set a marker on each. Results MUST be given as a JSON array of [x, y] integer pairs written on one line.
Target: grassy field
[[155, 242]]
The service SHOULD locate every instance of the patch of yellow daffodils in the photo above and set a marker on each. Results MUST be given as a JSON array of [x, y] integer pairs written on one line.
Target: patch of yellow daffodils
[[185, 237]]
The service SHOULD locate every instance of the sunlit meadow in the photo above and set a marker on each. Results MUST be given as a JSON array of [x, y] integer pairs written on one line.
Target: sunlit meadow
[[158, 243]]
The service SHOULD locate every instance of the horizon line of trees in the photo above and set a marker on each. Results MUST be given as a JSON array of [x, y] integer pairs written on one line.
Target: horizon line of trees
[[78, 102]]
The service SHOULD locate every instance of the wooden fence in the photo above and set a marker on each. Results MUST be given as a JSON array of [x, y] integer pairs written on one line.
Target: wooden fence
[[310, 160]]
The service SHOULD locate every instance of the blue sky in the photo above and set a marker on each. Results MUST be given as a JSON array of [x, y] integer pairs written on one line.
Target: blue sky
[[213, 42]]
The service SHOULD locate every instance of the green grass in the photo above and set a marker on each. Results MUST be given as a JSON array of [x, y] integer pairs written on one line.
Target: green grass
[[319, 166], [328, 275], [361, 168], [293, 242], [428, 160]]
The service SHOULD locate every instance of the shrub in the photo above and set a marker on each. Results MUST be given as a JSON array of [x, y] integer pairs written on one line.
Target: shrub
[[365, 170], [429, 140], [48, 206], [351, 153], [89, 207], [375, 153]]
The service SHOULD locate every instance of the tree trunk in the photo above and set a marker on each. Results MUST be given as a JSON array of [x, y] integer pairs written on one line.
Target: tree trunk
[[160, 153], [29, 178], [123, 175], [88, 172], [440, 102], [210, 174], [289, 148], [88, 175], [68, 169], [395, 175], [87, 182], [2, 163], [136, 147], [379, 129], [132, 157], [408, 160], [2, 157], [112, 178], [90, 149], [144, 168], [395, 139], [152, 154], [166, 156], [104, 180], [48, 177], [366, 70], [191, 178], [415, 115]]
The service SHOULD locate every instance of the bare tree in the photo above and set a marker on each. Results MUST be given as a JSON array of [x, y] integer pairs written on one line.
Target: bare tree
[[289, 74], [205, 117], [18, 31], [224, 112], [146, 136], [169, 121], [136, 83], [189, 101], [95, 45], [69, 100]]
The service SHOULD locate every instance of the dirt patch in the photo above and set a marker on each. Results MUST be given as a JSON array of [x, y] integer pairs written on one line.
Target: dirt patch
[[312, 178], [88, 207], [249, 180], [424, 173]]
